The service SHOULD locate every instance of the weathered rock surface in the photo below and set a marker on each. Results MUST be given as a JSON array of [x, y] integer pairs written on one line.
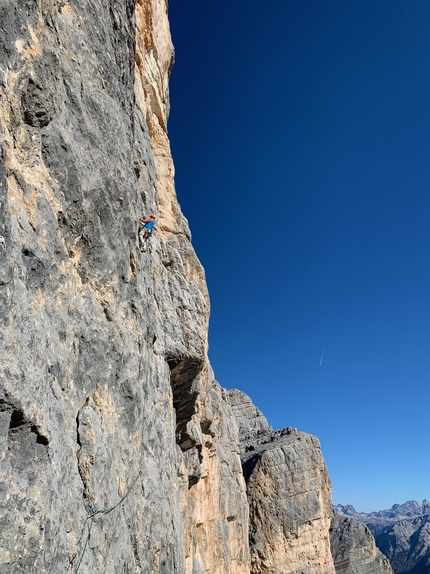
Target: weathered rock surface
[[407, 545], [252, 424], [215, 508], [353, 548], [289, 494], [106, 394]]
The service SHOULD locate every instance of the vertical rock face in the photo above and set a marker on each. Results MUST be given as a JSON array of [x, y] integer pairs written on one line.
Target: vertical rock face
[[103, 365], [289, 495], [354, 550], [213, 496], [216, 508]]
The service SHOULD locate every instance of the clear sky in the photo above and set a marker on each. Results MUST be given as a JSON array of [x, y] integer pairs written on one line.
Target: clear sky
[[300, 131]]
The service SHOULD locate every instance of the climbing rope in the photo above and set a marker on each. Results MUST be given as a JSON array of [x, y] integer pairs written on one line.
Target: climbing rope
[[94, 514], [89, 520]]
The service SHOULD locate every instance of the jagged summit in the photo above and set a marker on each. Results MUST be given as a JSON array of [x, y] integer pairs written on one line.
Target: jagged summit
[[407, 545], [409, 509]]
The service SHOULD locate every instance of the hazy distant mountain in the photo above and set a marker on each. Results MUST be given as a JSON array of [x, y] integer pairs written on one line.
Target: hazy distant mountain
[[402, 534], [376, 521]]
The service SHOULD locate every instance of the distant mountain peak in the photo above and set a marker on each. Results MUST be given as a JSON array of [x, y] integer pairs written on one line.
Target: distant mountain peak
[[408, 509]]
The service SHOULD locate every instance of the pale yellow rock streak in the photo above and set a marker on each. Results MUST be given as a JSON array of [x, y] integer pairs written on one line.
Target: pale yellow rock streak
[[215, 509]]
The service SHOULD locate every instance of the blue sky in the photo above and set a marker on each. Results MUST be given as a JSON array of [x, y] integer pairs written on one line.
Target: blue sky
[[300, 132]]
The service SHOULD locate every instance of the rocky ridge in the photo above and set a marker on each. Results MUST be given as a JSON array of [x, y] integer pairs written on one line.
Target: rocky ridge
[[401, 532], [377, 520], [407, 545]]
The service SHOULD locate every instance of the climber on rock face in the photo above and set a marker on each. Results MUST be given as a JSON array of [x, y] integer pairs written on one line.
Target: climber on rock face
[[145, 230]]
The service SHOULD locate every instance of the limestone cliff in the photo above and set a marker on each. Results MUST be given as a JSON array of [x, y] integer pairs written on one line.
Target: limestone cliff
[[289, 494], [106, 392]]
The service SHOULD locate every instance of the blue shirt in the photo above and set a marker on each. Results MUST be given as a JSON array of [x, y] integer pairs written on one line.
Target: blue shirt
[[150, 224]]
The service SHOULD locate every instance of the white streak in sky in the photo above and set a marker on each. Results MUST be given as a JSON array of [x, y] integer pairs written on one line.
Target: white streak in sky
[[322, 357]]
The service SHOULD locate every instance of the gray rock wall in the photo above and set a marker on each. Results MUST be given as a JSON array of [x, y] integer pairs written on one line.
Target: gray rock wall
[[85, 382], [103, 349]]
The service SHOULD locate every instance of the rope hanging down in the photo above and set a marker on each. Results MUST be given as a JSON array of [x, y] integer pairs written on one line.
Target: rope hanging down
[[108, 510], [94, 514]]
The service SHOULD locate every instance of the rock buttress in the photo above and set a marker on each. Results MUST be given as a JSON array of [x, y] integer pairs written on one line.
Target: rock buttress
[[289, 495], [106, 395]]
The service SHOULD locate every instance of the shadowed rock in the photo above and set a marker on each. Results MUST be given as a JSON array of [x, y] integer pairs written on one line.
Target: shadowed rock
[[407, 545], [354, 550]]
